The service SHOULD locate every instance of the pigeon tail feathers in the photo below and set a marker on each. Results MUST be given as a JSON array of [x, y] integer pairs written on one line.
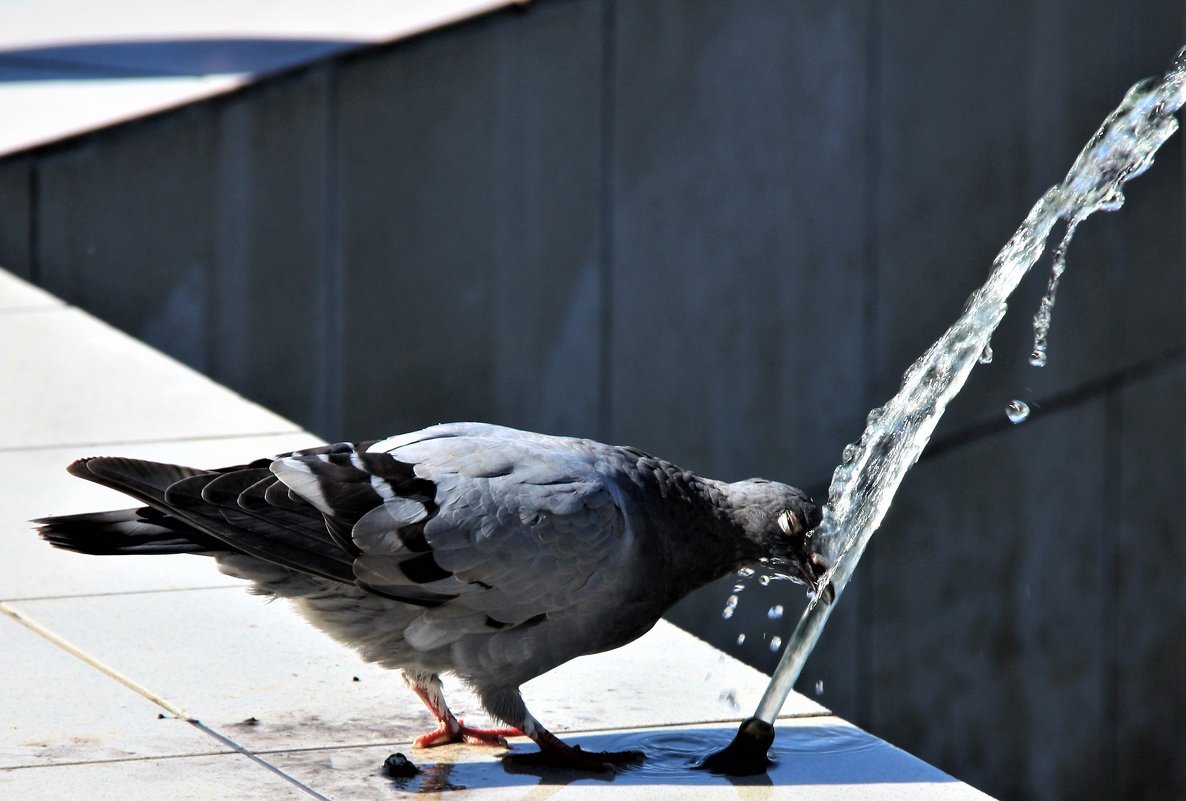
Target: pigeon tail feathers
[[125, 532]]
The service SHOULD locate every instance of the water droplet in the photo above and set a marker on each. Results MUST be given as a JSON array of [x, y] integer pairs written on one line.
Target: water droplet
[[764, 581], [740, 638], [745, 572], [775, 643], [1046, 306], [774, 612], [730, 607], [1017, 411], [819, 687], [738, 587], [986, 355]]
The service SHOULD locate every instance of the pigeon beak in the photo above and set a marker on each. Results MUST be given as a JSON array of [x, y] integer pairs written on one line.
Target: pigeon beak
[[828, 593], [818, 566]]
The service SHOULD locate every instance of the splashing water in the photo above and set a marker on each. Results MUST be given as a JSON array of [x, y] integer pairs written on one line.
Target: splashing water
[[1018, 411], [730, 607], [871, 471]]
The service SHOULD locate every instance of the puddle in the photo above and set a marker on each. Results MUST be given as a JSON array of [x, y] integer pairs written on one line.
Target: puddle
[[823, 740], [803, 754]]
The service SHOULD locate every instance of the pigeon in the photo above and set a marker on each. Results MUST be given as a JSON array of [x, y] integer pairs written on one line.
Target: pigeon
[[484, 551]]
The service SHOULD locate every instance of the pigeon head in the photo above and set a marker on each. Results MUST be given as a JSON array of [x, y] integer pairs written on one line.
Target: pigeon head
[[781, 518]]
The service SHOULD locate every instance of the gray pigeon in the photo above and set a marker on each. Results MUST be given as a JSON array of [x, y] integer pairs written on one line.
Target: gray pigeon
[[493, 553]]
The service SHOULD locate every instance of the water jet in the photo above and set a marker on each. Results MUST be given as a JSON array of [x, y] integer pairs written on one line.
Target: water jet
[[871, 470]]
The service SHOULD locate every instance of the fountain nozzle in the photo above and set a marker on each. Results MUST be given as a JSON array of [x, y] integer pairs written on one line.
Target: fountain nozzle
[[747, 754]]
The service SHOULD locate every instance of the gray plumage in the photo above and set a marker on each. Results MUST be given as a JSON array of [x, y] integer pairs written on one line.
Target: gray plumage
[[492, 553]]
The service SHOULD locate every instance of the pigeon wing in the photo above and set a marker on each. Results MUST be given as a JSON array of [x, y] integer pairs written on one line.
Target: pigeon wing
[[500, 530]]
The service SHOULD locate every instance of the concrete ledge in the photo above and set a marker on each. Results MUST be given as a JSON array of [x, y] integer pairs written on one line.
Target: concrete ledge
[[157, 677], [68, 67]]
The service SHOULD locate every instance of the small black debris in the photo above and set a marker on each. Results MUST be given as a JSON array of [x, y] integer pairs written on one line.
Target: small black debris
[[398, 766], [251, 721], [357, 679], [160, 716]]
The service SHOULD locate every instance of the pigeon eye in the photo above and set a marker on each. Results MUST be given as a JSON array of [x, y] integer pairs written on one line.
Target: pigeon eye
[[789, 523]]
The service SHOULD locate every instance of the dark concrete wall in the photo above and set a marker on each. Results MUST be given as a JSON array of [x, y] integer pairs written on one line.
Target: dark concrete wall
[[720, 232]]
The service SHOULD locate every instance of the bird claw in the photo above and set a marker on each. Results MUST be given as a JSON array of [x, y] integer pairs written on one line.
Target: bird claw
[[461, 733], [487, 736]]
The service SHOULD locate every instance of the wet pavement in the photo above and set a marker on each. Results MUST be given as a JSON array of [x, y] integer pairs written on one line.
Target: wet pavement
[[158, 677]]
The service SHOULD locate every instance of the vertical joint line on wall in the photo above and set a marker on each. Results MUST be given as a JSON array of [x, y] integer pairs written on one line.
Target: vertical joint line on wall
[[1110, 545], [1111, 502], [329, 401], [1112, 508], [872, 128], [34, 232], [606, 214]]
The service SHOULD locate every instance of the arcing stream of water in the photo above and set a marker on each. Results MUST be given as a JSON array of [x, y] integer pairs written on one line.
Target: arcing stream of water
[[870, 472]]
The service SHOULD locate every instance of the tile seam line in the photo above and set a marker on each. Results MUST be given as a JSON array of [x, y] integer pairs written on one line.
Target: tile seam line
[[116, 443], [120, 593], [156, 698], [90, 659], [118, 760], [263, 763]]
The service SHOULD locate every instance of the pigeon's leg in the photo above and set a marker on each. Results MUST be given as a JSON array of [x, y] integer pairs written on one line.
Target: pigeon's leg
[[449, 729], [507, 704]]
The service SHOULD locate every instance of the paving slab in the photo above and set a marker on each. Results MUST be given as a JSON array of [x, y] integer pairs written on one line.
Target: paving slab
[[176, 779], [17, 294], [260, 674], [40, 106], [55, 708], [816, 758], [58, 23], [259, 704], [69, 66], [71, 379]]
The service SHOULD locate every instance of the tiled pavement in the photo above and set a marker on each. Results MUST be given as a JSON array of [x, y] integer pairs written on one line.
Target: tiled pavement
[[157, 677]]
